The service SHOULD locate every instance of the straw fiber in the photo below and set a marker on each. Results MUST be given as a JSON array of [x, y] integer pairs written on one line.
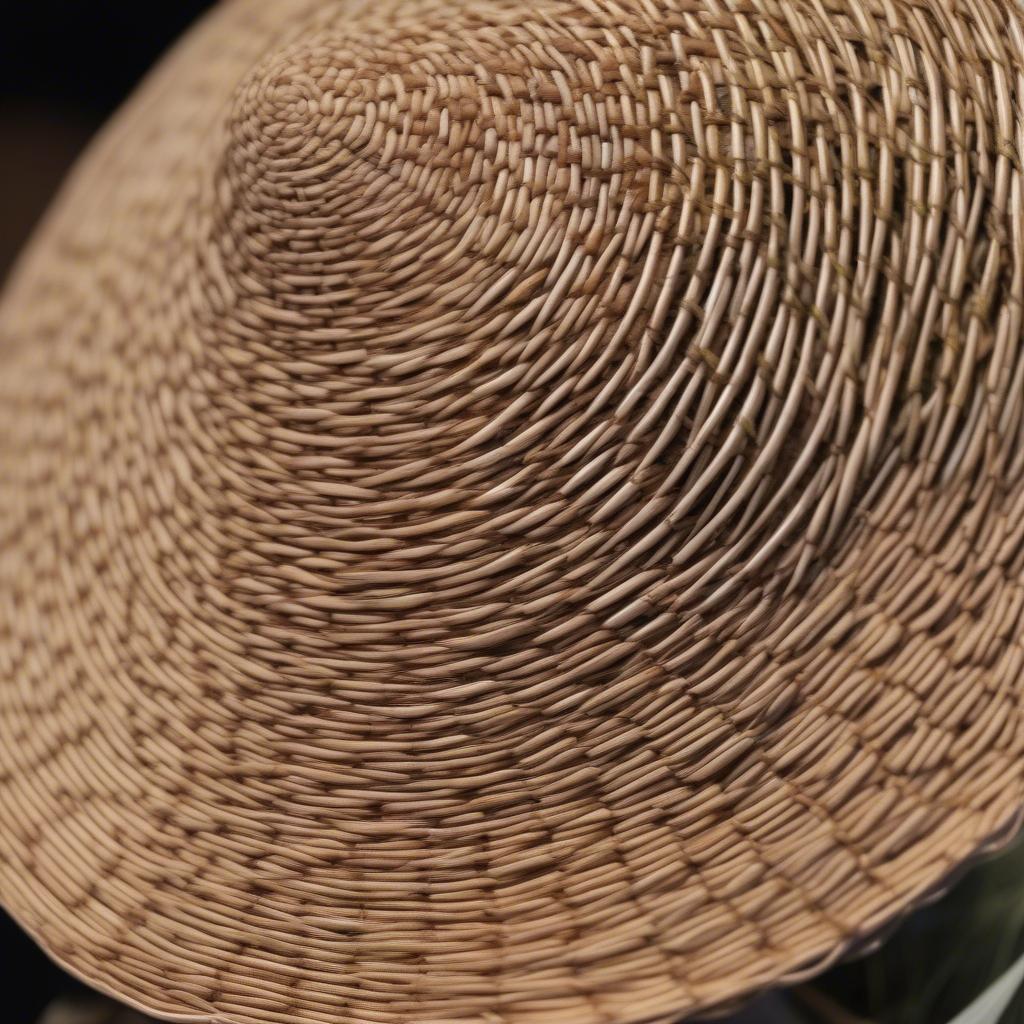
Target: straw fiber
[[513, 513]]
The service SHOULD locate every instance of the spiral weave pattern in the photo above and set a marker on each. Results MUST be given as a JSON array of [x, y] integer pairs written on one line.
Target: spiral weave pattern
[[515, 515]]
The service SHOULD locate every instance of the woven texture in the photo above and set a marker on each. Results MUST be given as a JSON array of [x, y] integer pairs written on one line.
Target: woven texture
[[514, 514]]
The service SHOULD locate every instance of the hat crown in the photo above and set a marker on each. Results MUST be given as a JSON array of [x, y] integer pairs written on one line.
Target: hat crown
[[517, 514]]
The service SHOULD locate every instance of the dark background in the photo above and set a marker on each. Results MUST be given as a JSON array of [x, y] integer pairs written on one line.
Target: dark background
[[64, 67]]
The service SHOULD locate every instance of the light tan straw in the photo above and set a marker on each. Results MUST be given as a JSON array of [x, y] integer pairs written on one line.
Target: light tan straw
[[513, 513]]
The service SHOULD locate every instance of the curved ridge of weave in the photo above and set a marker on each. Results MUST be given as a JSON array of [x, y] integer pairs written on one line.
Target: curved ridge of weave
[[516, 516]]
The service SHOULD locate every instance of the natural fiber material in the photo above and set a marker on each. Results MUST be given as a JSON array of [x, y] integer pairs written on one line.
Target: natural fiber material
[[514, 513]]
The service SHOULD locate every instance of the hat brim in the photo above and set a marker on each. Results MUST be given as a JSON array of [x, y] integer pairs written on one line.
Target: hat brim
[[465, 555]]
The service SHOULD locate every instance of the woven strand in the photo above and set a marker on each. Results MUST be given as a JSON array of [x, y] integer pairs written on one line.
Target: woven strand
[[517, 515]]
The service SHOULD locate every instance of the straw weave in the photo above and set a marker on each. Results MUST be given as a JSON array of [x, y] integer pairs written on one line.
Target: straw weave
[[514, 513]]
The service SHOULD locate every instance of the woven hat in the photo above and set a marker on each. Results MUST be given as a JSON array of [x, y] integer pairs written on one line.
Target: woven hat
[[514, 513]]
